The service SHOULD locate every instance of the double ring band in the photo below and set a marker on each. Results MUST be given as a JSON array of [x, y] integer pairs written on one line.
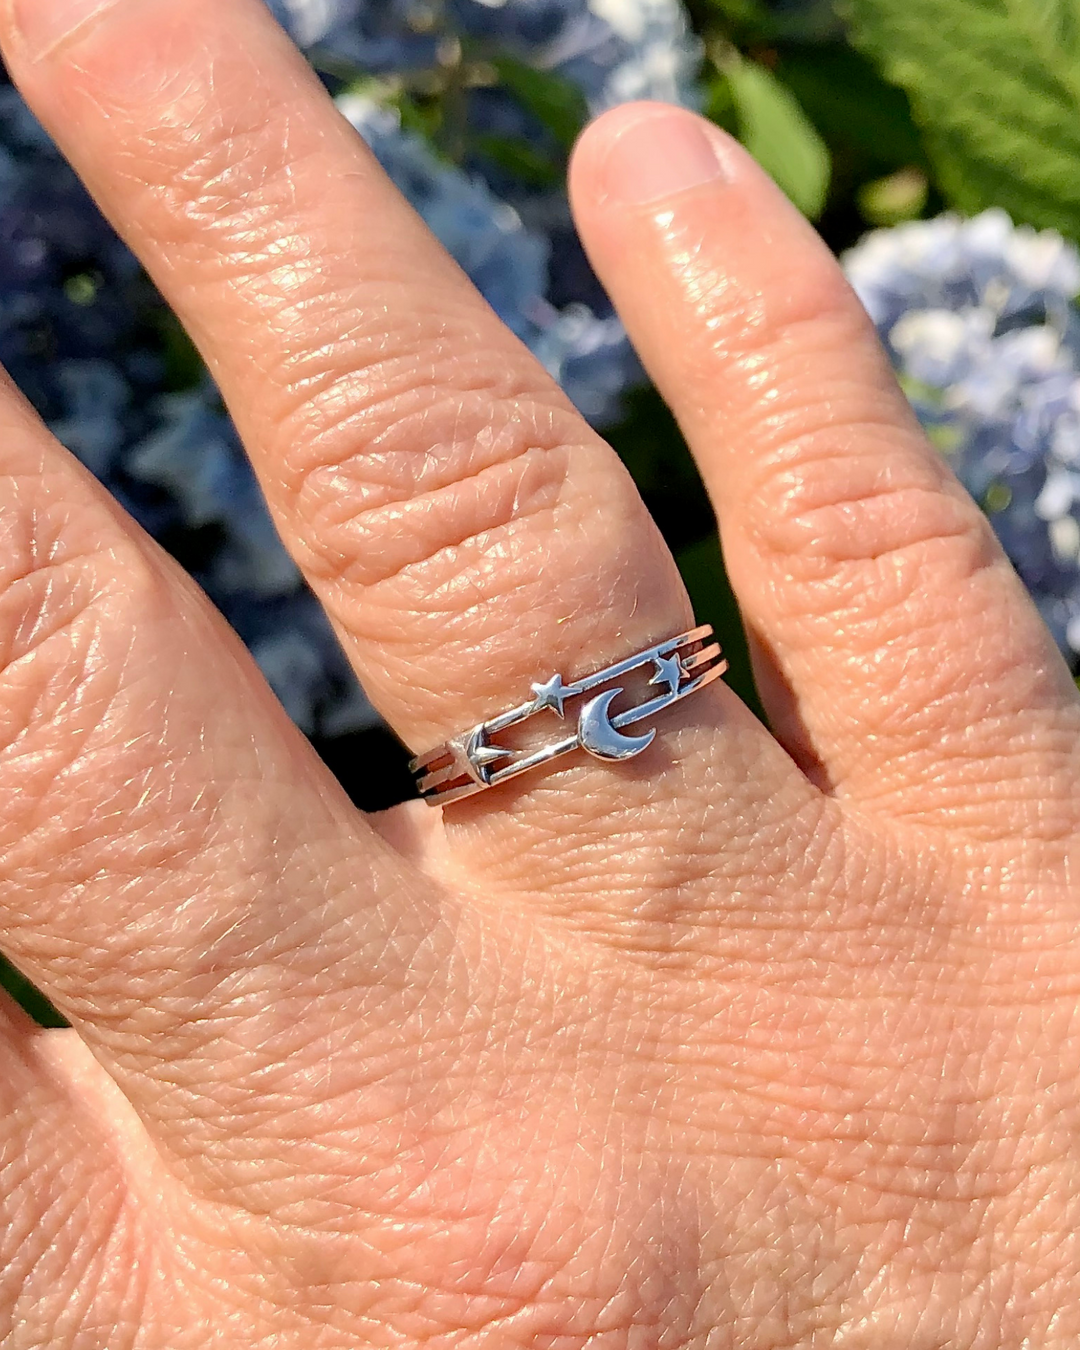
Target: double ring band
[[472, 761]]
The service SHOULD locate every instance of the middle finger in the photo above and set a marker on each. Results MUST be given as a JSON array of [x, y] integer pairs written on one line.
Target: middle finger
[[466, 530]]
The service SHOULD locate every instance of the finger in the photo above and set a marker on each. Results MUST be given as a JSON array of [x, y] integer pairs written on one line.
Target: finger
[[465, 529], [64, 1219], [178, 872], [901, 660]]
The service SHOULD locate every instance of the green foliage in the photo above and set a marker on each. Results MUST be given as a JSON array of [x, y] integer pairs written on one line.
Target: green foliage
[[432, 104], [522, 160], [751, 22], [776, 131], [556, 103], [184, 366], [422, 116], [995, 86], [865, 121], [1053, 25]]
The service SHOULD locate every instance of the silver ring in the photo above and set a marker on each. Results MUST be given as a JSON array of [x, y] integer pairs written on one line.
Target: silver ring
[[472, 761]]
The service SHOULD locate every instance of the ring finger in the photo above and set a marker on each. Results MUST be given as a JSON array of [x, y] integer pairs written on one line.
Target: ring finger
[[465, 529]]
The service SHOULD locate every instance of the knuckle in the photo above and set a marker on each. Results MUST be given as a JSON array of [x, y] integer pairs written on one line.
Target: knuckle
[[843, 492], [422, 461], [233, 183], [858, 516], [797, 316], [850, 497]]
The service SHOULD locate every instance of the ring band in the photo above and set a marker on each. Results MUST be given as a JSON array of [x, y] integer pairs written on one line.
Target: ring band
[[472, 761]]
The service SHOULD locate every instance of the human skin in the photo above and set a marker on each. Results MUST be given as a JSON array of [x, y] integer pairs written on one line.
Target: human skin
[[759, 1040]]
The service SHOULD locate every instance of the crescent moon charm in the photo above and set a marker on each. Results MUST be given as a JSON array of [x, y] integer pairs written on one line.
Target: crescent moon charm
[[600, 738], [476, 759]]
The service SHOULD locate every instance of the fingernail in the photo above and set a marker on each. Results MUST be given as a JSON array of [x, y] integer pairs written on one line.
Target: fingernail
[[659, 156], [44, 24]]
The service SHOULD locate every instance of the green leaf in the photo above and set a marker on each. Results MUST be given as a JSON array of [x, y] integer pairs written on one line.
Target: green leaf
[[1051, 24], [523, 161], [862, 118], [995, 85], [184, 367], [553, 100], [719, 105], [750, 22], [423, 117], [777, 132]]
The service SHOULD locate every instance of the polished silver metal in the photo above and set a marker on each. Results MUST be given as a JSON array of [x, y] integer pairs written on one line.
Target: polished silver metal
[[472, 761]]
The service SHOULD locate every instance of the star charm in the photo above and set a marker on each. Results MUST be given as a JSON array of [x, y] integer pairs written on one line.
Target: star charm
[[476, 754], [551, 695], [669, 671]]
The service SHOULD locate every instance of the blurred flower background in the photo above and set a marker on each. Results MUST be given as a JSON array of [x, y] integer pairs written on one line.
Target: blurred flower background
[[935, 143]]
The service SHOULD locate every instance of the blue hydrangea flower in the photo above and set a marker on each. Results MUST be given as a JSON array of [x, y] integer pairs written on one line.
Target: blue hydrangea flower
[[81, 333], [312, 21], [618, 50], [610, 51], [613, 50], [979, 318], [589, 355]]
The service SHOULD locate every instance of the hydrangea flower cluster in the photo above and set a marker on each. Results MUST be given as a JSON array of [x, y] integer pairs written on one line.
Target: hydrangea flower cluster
[[612, 50], [88, 340], [979, 319], [589, 354]]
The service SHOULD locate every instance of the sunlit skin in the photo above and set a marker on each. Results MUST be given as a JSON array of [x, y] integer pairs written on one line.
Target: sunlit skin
[[758, 1040]]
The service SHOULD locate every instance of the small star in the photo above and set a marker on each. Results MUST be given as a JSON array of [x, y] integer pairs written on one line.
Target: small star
[[669, 671], [486, 754], [551, 695], [475, 755]]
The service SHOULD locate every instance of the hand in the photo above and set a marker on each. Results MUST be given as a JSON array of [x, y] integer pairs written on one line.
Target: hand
[[750, 1042]]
